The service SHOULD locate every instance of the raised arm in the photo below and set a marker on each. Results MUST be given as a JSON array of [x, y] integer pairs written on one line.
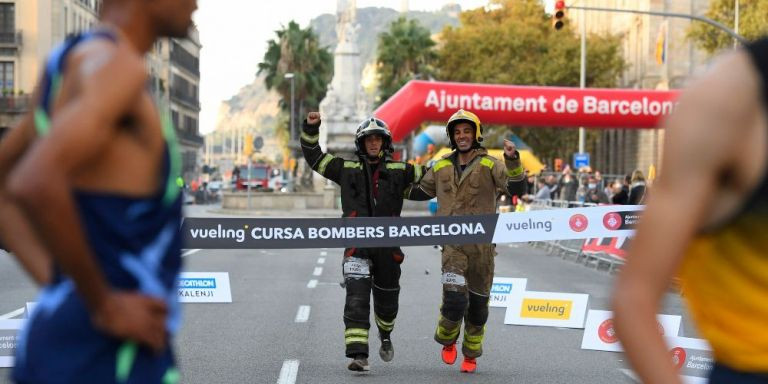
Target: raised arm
[[511, 177], [323, 163]]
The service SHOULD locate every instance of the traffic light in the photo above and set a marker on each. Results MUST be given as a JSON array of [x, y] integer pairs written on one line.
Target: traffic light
[[558, 18], [558, 165]]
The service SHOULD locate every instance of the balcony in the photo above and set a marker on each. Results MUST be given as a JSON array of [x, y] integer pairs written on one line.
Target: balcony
[[10, 39], [185, 60], [184, 98], [15, 104], [190, 138]]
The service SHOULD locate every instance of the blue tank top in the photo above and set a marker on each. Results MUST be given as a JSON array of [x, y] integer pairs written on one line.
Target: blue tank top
[[137, 244]]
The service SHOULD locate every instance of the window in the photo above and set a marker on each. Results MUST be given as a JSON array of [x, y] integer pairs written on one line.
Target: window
[[175, 119], [6, 75], [190, 125], [7, 18]]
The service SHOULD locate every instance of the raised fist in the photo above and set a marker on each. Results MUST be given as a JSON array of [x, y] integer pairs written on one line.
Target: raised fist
[[313, 118], [509, 148]]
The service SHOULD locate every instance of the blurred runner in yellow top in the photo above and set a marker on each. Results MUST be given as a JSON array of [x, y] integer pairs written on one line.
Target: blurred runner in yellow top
[[707, 218]]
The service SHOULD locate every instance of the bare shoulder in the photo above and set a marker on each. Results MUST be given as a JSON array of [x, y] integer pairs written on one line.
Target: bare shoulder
[[716, 109], [729, 89], [109, 64]]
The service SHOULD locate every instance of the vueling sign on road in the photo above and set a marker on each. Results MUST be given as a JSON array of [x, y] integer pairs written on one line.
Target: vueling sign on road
[[549, 309], [546, 309]]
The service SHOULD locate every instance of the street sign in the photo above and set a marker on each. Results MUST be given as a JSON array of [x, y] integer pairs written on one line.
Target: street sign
[[580, 160]]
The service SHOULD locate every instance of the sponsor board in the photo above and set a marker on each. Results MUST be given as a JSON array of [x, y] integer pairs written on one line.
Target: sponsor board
[[9, 330], [565, 224], [621, 220], [692, 357], [600, 335], [548, 309], [204, 287], [504, 289]]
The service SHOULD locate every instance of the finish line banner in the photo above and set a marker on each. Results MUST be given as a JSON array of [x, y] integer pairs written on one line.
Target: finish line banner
[[361, 232]]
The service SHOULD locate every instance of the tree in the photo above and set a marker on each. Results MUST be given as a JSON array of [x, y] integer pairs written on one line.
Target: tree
[[297, 51], [753, 23], [404, 53], [513, 42]]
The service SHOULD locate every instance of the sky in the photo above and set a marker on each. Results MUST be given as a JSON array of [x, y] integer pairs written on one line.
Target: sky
[[234, 35]]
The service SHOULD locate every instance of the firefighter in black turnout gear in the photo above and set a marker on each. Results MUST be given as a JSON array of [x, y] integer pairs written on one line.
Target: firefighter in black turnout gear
[[371, 186]]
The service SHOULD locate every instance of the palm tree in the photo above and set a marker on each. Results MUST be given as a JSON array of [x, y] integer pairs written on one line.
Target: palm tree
[[297, 51], [404, 53]]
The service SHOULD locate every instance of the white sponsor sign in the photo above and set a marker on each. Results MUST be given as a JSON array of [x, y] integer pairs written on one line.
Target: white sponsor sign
[[9, 330], [504, 289], [693, 358], [549, 309], [204, 287], [599, 333], [565, 224]]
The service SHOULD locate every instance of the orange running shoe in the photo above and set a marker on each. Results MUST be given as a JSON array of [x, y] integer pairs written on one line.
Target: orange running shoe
[[469, 365], [449, 354]]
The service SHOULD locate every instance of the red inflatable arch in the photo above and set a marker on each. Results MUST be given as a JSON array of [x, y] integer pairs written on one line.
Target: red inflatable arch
[[420, 101]]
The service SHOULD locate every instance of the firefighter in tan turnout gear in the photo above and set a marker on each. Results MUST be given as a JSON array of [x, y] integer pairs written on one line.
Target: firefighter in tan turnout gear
[[466, 182]]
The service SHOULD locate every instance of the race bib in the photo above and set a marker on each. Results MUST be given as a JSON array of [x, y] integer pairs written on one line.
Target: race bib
[[453, 279], [355, 266]]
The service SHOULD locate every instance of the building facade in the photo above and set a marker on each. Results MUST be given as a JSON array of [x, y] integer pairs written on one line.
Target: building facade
[[658, 55]]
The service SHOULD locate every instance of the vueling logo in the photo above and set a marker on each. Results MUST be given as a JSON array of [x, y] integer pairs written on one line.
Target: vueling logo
[[546, 309]]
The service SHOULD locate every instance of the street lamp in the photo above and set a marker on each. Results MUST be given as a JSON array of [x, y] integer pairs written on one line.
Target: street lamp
[[293, 131]]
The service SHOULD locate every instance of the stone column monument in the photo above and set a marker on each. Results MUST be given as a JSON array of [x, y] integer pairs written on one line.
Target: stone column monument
[[346, 104]]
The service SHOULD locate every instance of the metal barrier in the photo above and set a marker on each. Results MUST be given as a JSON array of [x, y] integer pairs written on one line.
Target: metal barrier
[[574, 249]]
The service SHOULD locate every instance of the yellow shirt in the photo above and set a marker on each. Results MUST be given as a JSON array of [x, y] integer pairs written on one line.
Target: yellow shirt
[[725, 280]]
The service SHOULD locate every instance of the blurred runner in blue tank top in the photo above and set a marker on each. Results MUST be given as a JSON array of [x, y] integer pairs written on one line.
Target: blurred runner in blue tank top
[[90, 207]]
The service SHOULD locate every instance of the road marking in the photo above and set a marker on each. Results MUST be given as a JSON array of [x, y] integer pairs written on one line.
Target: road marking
[[321, 260], [12, 314], [631, 374], [302, 315], [323, 253], [288, 372], [190, 252], [312, 284], [318, 271]]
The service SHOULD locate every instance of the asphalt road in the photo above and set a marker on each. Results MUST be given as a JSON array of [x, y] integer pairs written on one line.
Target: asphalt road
[[254, 338]]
